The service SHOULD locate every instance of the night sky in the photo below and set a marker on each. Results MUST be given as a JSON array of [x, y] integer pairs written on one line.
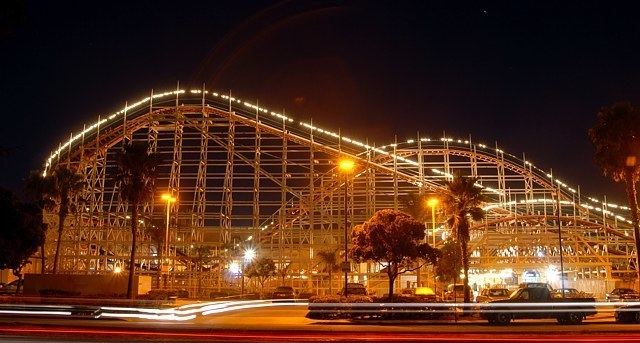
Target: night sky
[[529, 75]]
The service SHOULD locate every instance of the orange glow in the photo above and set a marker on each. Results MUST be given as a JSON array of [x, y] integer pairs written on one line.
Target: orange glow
[[168, 198], [346, 165], [433, 202]]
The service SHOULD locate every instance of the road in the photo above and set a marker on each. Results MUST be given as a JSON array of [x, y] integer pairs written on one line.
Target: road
[[287, 323]]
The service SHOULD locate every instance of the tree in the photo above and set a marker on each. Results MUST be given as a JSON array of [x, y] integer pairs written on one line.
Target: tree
[[56, 191], [461, 200], [616, 139], [415, 205], [330, 261], [201, 256], [4, 151], [22, 231], [283, 271], [35, 188], [394, 240], [448, 266], [136, 174], [263, 269]]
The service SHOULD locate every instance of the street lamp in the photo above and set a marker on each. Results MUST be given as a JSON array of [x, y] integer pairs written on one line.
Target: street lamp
[[346, 167], [433, 203], [168, 198], [249, 254]]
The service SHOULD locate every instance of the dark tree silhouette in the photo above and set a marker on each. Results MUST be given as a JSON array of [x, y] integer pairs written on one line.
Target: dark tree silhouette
[[461, 201], [56, 191], [448, 266], [136, 176], [616, 139], [21, 232]]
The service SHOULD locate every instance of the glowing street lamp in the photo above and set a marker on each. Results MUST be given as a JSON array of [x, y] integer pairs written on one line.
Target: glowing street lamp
[[346, 167], [234, 268], [168, 198], [249, 254], [117, 270]]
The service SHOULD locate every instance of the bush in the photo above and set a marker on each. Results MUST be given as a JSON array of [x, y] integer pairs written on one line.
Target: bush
[[400, 299], [159, 294], [305, 295], [57, 293], [340, 299], [223, 293], [354, 312], [328, 312]]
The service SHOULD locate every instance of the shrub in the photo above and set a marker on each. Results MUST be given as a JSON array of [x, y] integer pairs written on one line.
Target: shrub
[[328, 312], [57, 293], [305, 295], [223, 293], [339, 299], [355, 312], [400, 299], [159, 294]]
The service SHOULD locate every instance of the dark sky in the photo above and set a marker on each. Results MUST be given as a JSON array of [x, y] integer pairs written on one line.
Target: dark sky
[[529, 75]]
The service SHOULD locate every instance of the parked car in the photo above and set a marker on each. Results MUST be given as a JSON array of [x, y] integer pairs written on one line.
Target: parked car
[[454, 293], [283, 292], [354, 289], [491, 294], [569, 293], [425, 293], [10, 288], [621, 294], [627, 314], [537, 302]]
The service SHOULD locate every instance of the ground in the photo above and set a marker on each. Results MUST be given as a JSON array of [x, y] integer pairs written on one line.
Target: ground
[[288, 323]]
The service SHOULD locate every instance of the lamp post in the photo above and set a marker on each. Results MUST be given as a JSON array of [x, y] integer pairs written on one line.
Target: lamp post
[[346, 166], [433, 202], [168, 198], [560, 241]]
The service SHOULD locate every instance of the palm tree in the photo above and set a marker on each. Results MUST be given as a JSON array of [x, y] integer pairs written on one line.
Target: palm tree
[[330, 261], [56, 190], [461, 200], [616, 139], [137, 171]]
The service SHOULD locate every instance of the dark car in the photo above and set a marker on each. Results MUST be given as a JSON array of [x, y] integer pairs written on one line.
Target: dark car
[[354, 289], [10, 288], [627, 314], [283, 292], [621, 294], [455, 293], [537, 302]]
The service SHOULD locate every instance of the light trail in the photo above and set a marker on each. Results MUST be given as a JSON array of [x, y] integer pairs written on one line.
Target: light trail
[[308, 336]]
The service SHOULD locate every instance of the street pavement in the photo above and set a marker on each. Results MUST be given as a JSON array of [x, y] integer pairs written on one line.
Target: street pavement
[[287, 323]]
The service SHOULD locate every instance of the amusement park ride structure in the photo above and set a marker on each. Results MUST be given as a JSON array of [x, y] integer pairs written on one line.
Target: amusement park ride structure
[[244, 176]]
